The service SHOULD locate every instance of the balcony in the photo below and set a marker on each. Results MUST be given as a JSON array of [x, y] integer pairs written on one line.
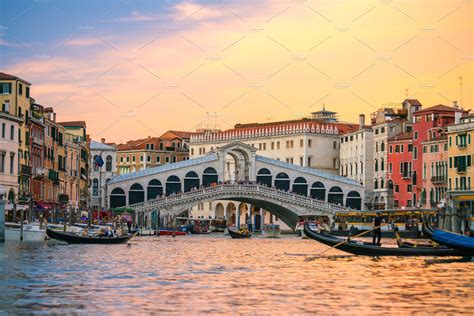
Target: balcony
[[407, 175], [37, 141], [25, 170], [462, 146], [39, 172], [461, 169], [438, 179]]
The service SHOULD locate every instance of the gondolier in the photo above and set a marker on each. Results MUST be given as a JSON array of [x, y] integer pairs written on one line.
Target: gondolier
[[377, 233]]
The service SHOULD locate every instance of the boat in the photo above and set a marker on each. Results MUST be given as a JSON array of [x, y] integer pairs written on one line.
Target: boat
[[32, 232], [74, 238], [427, 230], [170, 232], [237, 235], [405, 244], [365, 249], [271, 231], [453, 240]]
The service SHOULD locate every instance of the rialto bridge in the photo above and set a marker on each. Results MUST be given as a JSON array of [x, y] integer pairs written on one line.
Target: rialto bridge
[[283, 189]]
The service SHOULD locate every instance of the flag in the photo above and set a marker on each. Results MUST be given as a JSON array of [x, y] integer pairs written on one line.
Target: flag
[[99, 161]]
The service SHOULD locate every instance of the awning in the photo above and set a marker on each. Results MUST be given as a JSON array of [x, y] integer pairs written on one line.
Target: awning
[[19, 207], [43, 205]]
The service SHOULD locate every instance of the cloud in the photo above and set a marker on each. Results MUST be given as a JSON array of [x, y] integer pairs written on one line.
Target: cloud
[[135, 16], [196, 12], [83, 41]]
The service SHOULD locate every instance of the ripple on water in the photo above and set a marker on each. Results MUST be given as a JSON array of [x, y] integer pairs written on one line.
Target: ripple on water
[[213, 274]]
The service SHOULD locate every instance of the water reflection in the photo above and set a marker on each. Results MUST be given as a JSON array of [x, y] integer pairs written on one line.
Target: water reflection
[[213, 274]]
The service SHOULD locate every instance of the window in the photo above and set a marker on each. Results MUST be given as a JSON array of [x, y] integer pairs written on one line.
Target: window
[[167, 159], [310, 142], [402, 148], [415, 153], [148, 158], [397, 188], [121, 159], [409, 188], [410, 148], [382, 130], [5, 88], [301, 142], [108, 164], [278, 145], [2, 162], [273, 145], [27, 92], [391, 149], [376, 184], [6, 106], [390, 167], [158, 159], [12, 132], [309, 162], [3, 130], [334, 145], [95, 187], [174, 158], [301, 161], [416, 134], [12, 162]]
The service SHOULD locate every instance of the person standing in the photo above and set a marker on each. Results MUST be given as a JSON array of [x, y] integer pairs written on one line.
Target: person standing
[[377, 233], [249, 224]]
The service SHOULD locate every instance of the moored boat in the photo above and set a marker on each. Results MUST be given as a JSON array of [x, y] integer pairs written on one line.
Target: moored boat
[[364, 249], [170, 232], [237, 235], [74, 238], [453, 240]]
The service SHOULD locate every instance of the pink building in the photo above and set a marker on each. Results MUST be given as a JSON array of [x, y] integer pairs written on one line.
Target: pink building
[[435, 169]]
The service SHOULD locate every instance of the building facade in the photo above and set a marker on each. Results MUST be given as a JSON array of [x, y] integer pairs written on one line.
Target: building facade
[[459, 212], [427, 123], [357, 156], [101, 175], [400, 171], [434, 175], [136, 155]]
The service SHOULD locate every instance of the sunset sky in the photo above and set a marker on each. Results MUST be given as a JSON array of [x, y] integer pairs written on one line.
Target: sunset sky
[[134, 69]]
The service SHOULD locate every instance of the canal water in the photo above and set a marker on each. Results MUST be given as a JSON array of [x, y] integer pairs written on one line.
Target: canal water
[[217, 275]]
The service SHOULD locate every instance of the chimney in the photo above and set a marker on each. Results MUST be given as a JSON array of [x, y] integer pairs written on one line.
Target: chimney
[[102, 140], [361, 121], [54, 117], [455, 105]]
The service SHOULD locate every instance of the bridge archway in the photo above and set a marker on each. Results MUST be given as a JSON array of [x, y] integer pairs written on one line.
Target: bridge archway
[[282, 181], [336, 195], [209, 176], [154, 189], [219, 212], [240, 156], [118, 198], [264, 176], [300, 186], [231, 211], [353, 200], [173, 185], [191, 180], [318, 191], [136, 194]]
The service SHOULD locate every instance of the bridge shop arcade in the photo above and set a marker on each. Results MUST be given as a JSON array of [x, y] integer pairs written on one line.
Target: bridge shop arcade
[[281, 189]]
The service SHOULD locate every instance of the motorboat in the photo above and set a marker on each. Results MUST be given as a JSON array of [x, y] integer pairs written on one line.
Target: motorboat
[[271, 231]]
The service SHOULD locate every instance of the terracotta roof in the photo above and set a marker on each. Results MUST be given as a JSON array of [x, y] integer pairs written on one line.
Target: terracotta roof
[[402, 136], [4, 76], [412, 101], [176, 134], [436, 139], [439, 107], [73, 123]]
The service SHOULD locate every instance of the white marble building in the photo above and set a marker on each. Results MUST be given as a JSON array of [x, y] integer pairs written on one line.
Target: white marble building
[[100, 176]]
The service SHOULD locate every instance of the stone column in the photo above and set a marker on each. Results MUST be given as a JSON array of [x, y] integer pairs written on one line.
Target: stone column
[[249, 214], [2, 219], [237, 217], [262, 219]]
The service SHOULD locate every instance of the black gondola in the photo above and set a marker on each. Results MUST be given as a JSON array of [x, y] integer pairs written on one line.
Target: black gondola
[[427, 229], [406, 244], [361, 249], [237, 235], [73, 238]]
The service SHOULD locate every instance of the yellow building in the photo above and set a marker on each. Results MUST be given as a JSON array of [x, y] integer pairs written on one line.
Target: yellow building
[[459, 213], [15, 100]]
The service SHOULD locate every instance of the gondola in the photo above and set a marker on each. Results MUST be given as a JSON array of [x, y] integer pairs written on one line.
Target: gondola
[[361, 249], [427, 229], [453, 240], [74, 238], [237, 235], [405, 244]]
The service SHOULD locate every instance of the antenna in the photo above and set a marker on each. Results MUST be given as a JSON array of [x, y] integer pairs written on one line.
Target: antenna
[[406, 93], [460, 89]]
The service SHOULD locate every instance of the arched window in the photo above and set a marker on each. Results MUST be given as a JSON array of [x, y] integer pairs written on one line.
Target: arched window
[[108, 163], [282, 181], [264, 176], [318, 191], [336, 196], [95, 187], [354, 200], [117, 198], [136, 194], [209, 176], [154, 189], [300, 186], [173, 185], [191, 180]]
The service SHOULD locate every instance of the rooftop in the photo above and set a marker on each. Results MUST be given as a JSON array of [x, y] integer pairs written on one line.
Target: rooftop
[[100, 146], [5, 76], [402, 136], [439, 108], [73, 124]]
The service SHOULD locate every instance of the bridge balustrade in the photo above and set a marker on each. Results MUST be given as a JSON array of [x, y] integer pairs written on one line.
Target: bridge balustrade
[[237, 189]]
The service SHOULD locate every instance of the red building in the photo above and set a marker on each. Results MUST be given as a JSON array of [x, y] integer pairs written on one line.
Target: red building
[[400, 170], [36, 142], [428, 122]]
